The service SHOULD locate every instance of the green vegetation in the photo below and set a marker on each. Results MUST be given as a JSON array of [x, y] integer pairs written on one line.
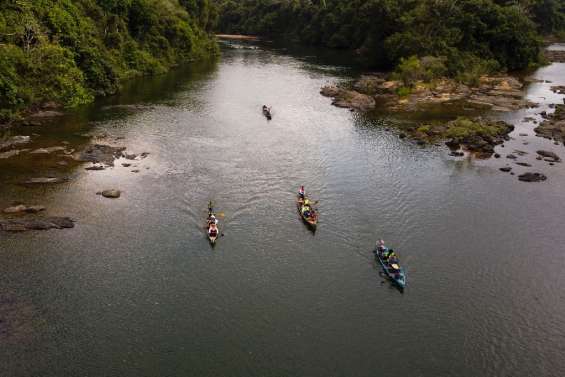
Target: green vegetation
[[464, 128], [467, 37], [69, 51]]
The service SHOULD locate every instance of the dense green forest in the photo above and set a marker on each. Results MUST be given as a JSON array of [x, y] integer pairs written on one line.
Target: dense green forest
[[467, 35], [69, 51]]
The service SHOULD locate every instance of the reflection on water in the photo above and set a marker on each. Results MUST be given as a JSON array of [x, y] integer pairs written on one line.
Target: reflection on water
[[135, 289]]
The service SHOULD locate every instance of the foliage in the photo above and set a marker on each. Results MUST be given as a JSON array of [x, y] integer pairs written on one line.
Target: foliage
[[463, 128], [69, 51], [468, 35]]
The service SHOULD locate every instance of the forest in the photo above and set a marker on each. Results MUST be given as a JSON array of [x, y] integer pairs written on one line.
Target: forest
[[69, 51], [477, 36]]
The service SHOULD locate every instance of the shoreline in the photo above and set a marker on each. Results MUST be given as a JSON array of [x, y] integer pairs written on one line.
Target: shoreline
[[238, 37]]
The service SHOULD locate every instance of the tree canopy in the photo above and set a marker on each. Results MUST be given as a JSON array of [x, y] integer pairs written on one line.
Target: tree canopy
[[498, 34], [69, 51]]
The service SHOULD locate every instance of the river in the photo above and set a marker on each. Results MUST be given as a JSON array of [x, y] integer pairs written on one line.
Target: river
[[136, 290]]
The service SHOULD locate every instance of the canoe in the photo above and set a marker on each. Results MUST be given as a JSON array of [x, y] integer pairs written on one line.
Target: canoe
[[310, 221], [392, 270], [211, 238]]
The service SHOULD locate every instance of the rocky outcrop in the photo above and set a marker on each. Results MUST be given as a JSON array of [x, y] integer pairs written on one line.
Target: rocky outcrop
[[477, 135], [100, 154], [46, 223], [14, 141], [349, 99], [498, 93], [553, 127]]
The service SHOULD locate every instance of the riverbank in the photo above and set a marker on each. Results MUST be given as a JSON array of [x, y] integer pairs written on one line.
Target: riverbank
[[238, 37]]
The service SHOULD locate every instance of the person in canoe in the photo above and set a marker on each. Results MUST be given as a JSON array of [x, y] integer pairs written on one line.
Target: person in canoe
[[267, 112], [213, 230], [301, 193]]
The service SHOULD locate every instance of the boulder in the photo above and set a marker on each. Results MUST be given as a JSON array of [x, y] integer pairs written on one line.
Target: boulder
[[532, 177], [506, 169], [550, 155], [111, 194]]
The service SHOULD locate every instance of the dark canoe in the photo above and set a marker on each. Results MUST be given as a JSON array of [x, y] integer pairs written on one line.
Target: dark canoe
[[398, 276], [212, 239], [312, 222]]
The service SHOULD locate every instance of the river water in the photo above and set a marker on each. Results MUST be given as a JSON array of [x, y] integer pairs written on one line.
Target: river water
[[136, 290]]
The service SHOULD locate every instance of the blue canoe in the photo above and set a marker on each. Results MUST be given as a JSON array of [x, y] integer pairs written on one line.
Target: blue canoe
[[392, 270]]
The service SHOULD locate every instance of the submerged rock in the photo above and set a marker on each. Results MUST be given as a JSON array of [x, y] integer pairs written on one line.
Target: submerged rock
[[532, 177], [95, 167], [506, 169], [100, 153], [21, 225], [45, 180], [23, 209]]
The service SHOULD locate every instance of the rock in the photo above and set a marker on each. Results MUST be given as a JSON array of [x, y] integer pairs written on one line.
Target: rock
[[31, 123], [496, 155], [95, 167], [555, 56], [402, 135], [549, 154], [349, 98], [46, 114], [457, 154], [523, 164], [48, 150], [511, 156], [144, 154], [46, 223], [10, 154], [47, 180], [14, 141], [523, 134], [506, 169], [112, 194], [135, 171], [558, 89], [532, 177], [126, 165], [23, 209], [100, 153], [132, 156]]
